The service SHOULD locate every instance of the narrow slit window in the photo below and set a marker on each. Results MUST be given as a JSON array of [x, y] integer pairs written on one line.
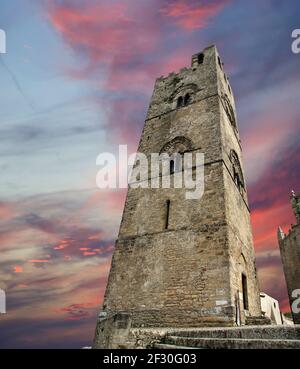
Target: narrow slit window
[[172, 166], [167, 214], [245, 292]]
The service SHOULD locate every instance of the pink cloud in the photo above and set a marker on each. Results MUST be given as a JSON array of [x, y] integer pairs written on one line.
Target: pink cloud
[[271, 281], [77, 311], [191, 15], [38, 261], [265, 222], [62, 245], [141, 77], [7, 238], [105, 30], [123, 44], [18, 269], [89, 253], [112, 200], [6, 211]]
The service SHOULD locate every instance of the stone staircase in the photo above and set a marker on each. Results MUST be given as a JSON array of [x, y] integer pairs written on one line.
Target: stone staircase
[[246, 337], [258, 320]]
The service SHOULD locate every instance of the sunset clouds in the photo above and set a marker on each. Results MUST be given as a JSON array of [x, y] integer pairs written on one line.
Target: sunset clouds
[[191, 15], [127, 44], [84, 89], [54, 265]]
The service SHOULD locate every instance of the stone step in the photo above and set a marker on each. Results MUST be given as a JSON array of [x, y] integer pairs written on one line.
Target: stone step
[[247, 332], [258, 320], [166, 346], [231, 343]]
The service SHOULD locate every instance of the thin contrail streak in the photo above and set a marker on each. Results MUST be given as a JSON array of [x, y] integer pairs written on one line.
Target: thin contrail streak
[[17, 84]]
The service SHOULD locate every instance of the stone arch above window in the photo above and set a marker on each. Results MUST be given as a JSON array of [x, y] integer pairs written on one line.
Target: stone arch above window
[[179, 144], [183, 95], [237, 170], [243, 262]]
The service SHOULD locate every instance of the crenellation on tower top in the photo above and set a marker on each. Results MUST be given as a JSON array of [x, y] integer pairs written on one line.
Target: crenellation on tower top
[[280, 234], [204, 76], [295, 202]]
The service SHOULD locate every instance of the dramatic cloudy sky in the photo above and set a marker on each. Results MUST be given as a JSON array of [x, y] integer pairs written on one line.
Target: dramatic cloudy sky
[[76, 81]]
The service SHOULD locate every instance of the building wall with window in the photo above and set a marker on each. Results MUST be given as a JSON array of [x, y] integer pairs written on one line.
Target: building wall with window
[[289, 245]]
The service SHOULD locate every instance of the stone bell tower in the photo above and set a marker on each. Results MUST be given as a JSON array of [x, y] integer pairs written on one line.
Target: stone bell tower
[[181, 262]]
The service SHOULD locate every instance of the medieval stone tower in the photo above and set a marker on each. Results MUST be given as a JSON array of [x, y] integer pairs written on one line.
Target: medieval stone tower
[[289, 245], [181, 262]]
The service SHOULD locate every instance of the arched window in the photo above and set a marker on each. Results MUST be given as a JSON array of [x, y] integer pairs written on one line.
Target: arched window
[[229, 110], [200, 58], [237, 170], [172, 166], [179, 101], [245, 292], [175, 150], [187, 99], [178, 144]]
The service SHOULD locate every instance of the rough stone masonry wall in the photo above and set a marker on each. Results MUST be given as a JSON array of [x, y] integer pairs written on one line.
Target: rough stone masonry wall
[[290, 254], [242, 258], [180, 275]]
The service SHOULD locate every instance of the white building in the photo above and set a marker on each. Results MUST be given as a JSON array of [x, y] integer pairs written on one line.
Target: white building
[[270, 308]]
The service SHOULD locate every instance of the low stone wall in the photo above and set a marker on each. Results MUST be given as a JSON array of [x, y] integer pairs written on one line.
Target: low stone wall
[[120, 335], [112, 331], [146, 338], [266, 336]]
